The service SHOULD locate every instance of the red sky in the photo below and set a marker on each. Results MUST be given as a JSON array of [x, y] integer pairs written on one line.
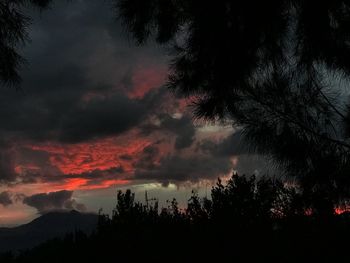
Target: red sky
[[94, 116]]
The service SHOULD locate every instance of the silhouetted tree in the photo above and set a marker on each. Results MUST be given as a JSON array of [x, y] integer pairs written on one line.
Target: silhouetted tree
[[245, 220], [13, 33], [198, 210], [272, 67]]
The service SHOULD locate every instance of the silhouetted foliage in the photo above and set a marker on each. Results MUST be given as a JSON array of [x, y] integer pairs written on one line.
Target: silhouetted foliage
[[13, 32], [273, 67], [245, 220]]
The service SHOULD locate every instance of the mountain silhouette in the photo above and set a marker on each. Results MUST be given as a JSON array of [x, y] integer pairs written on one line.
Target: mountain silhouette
[[47, 226]]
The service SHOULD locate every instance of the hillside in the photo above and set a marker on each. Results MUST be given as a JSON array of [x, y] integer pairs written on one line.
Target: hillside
[[50, 225]]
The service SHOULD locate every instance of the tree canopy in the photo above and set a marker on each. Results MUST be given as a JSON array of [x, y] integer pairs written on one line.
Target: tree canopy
[[245, 220], [278, 69], [13, 32]]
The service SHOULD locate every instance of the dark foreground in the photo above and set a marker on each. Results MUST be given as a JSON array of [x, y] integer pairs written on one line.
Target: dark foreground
[[245, 221]]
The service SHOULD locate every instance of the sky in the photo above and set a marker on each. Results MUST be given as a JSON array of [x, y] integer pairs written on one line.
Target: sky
[[93, 116]]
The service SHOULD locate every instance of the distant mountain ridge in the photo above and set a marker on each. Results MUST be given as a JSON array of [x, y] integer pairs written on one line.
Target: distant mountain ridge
[[47, 226]]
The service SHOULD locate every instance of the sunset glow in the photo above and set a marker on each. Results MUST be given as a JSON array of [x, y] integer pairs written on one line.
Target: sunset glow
[[100, 118]]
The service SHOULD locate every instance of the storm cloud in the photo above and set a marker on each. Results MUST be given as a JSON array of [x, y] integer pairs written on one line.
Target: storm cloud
[[93, 111], [53, 201], [5, 198], [177, 169], [74, 86]]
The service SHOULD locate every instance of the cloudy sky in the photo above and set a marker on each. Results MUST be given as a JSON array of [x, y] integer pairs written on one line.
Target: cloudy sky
[[93, 116]]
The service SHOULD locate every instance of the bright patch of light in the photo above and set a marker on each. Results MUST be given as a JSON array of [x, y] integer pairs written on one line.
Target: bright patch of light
[[177, 115]]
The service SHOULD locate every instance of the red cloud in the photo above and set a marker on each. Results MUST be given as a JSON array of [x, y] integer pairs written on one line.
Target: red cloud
[[146, 79], [83, 184], [99, 155]]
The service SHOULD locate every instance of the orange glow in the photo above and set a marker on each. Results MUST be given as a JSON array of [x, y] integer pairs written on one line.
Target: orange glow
[[19, 169], [14, 215], [83, 184], [74, 183], [94, 164], [105, 184], [84, 158], [67, 184], [340, 210], [146, 79], [99, 155]]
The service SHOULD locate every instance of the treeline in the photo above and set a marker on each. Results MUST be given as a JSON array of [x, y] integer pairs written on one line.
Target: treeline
[[245, 220]]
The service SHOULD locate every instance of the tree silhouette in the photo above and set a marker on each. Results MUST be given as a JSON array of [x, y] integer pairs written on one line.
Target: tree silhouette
[[271, 67], [13, 33], [244, 220]]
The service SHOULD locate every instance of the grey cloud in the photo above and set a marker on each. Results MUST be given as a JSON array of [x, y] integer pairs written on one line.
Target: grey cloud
[[101, 117], [7, 166], [177, 169], [234, 144], [148, 158], [74, 83], [79, 68], [6, 198], [64, 117], [93, 59], [249, 164], [126, 157], [46, 202], [97, 176], [182, 128], [93, 176]]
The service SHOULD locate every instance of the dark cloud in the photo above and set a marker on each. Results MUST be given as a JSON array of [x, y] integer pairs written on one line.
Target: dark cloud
[[74, 88], [177, 169], [46, 202], [148, 158], [94, 177], [182, 128], [79, 71], [6, 198], [233, 144], [78, 87], [7, 166], [126, 157], [66, 117], [250, 164], [101, 117], [97, 177]]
